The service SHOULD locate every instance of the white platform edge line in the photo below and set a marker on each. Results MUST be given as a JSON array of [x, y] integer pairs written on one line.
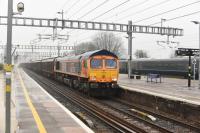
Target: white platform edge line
[[161, 95], [64, 108]]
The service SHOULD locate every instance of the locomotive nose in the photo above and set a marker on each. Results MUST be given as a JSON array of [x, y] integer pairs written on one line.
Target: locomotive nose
[[103, 76]]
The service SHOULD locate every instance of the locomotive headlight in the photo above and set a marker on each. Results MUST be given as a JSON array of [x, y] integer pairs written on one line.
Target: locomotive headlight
[[114, 79], [93, 78]]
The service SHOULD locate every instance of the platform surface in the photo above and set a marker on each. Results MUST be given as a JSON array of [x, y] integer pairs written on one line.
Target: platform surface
[[170, 88], [36, 111]]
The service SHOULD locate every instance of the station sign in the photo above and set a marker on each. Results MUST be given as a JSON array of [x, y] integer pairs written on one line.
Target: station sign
[[186, 52]]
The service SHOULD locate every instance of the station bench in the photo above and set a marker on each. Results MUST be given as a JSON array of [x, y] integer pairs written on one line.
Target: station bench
[[136, 76], [153, 77]]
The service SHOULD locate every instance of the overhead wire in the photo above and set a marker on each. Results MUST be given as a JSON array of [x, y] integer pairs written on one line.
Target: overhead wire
[[177, 17], [145, 9], [136, 5], [65, 4], [66, 11], [115, 8], [180, 7], [90, 11], [170, 10], [74, 4], [101, 4], [111, 9], [44, 30], [155, 5], [81, 8], [140, 11], [55, 14]]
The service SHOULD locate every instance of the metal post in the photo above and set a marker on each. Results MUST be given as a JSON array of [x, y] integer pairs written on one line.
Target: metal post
[[62, 19], [62, 13], [194, 70], [161, 24], [32, 51], [58, 50], [8, 66], [199, 55], [129, 47], [189, 72], [55, 29], [162, 20]]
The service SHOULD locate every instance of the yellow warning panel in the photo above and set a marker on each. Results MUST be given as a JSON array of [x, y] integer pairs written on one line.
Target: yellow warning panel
[[8, 88], [8, 67]]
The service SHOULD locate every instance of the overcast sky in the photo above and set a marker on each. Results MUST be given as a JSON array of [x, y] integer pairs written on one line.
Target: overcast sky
[[141, 12]]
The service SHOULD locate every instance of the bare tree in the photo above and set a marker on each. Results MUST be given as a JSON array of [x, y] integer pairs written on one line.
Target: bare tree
[[84, 47], [108, 41], [141, 54]]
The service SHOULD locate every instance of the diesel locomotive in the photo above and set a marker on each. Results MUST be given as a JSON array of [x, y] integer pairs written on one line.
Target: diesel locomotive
[[95, 72]]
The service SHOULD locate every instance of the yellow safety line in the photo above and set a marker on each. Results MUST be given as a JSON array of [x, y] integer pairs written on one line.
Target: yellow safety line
[[33, 110]]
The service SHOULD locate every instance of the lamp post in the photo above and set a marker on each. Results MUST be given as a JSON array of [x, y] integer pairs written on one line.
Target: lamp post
[[62, 14], [162, 20], [8, 65], [197, 22]]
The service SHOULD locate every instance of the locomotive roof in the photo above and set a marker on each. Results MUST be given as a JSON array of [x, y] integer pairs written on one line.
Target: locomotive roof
[[48, 59], [98, 52], [88, 54], [149, 59], [68, 58], [172, 59]]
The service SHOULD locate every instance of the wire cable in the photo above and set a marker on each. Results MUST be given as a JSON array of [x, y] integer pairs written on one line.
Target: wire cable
[[101, 4], [55, 14], [76, 2], [167, 11], [143, 10], [139, 4], [182, 16], [81, 8], [65, 4], [123, 11], [115, 8], [111, 9]]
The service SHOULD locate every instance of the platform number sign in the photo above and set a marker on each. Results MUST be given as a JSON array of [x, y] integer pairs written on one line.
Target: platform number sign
[[188, 52]]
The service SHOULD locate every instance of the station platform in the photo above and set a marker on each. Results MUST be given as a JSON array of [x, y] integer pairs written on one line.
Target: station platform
[[169, 88], [36, 111]]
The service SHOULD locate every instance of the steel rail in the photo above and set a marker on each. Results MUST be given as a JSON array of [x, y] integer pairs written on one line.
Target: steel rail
[[115, 122], [163, 116], [159, 128]]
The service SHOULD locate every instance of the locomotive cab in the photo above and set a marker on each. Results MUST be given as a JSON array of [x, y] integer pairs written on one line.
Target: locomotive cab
[[103, 69]]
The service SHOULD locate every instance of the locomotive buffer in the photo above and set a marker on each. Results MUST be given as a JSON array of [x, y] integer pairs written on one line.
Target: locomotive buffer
[[187, 52]]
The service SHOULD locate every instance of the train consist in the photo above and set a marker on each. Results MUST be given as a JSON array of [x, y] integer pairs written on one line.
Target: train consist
[[171, 67], [95, 72]]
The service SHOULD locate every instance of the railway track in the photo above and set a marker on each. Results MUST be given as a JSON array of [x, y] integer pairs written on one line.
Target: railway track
[[164, 116], [115, 122], [153, 119], [115, 118]]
